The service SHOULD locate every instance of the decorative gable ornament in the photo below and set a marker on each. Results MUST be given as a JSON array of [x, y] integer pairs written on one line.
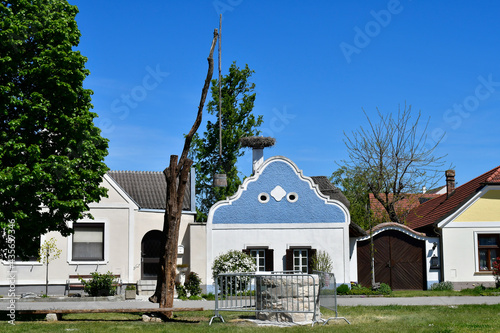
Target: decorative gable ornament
[[278, 193]]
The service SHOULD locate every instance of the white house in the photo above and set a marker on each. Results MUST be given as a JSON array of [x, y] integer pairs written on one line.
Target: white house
[[282, 218], [123, 238]]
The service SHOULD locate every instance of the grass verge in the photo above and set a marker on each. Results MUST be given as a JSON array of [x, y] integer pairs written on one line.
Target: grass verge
[[463, 318]]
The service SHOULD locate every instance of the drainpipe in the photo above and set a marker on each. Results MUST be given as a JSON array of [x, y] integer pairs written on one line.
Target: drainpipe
[[441, 266]]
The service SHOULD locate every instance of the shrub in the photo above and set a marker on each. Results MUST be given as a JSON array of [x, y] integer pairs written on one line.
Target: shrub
[[496, 272], [233, 261], [445, 285], [322, 262], [209, 296], [343, 289], [130, 287], [181, 291], [192, 284], [384, 289], [100, 284]]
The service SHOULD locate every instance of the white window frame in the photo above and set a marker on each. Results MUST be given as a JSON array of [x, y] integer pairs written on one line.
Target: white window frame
[[106, 245], [257, 257], [301, 266]]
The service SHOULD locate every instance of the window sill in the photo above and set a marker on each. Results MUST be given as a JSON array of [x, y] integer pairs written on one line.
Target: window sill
[[88, 262], [484, 273], [22, 263]]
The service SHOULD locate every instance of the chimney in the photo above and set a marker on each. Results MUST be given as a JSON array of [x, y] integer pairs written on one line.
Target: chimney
[[450, 182], [257, 158], [257, 143]]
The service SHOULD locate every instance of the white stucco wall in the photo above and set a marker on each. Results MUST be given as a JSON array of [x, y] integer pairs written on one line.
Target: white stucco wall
[[280, 238]]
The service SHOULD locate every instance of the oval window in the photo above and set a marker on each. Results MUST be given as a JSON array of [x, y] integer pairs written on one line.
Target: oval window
[[292, 196], [263, 197]]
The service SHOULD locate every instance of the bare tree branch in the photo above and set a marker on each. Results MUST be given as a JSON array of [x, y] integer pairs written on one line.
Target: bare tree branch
[[394, 158]]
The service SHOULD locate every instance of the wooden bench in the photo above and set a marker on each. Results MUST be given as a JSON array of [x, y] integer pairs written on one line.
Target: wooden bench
[[59, 312], [74, 282]]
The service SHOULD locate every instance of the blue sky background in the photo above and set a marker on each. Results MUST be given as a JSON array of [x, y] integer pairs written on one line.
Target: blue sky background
[[317, 65]]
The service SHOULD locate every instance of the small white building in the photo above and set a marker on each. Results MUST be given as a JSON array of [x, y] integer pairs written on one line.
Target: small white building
[[124, 238], [282, 218]]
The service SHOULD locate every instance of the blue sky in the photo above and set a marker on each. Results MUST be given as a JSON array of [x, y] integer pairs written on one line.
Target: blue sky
[[317, 65]]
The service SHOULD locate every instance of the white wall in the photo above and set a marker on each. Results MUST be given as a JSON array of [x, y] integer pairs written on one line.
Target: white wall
[[461, 256], [327, 237]]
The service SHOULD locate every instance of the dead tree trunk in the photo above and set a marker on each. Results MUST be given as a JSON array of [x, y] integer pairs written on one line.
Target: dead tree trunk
[[176, 175]]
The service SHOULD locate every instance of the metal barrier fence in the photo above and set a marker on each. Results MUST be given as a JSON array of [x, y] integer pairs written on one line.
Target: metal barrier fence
[[328, 294], [285, 296]]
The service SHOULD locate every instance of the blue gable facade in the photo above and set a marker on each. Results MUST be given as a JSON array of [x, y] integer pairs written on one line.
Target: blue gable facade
[[278, 193]]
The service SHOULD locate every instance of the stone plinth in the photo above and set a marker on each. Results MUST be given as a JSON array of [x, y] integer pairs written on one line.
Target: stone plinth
[[287, 294]]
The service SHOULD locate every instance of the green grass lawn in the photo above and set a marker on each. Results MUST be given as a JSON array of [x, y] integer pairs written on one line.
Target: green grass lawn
[[462, 318]]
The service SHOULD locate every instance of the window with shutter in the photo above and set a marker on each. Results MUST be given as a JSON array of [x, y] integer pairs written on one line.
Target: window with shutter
[[88, 242]]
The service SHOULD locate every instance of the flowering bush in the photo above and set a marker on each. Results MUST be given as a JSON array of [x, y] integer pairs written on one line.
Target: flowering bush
[[233, 262], [496, 272]]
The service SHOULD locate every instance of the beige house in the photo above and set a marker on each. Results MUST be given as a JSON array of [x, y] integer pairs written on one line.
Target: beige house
[[124, 238]]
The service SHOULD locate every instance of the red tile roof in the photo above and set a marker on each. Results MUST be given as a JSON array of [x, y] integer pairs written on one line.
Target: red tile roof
[[408, 202], [437, 209]]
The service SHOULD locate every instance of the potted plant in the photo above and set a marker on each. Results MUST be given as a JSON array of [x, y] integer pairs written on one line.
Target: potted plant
[[130, 291]]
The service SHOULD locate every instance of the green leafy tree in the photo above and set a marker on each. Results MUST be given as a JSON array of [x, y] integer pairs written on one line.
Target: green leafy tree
[[47, 253], [237, 121], [356, 191], [51, 153]]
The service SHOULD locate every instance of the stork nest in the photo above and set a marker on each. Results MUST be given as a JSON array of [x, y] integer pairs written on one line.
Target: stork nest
[[258, 142]]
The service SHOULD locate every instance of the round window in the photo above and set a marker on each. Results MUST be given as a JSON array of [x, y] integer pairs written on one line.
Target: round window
[[263, 197], [292, 196]]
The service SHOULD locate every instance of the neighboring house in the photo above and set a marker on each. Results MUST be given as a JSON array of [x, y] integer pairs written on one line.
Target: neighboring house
[[407, 202], [467, 219], [124, 237], [282, 218]]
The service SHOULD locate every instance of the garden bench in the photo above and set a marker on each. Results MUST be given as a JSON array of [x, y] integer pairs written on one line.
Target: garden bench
[[74, 282]]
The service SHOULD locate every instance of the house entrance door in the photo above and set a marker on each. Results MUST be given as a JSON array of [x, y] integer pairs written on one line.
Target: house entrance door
[[399, 261], [151, 245]]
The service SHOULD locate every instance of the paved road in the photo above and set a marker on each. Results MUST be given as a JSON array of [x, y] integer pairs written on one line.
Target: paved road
[[210, 305]]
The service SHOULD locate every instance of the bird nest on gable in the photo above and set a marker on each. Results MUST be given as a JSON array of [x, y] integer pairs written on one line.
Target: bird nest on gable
[[258, 142]]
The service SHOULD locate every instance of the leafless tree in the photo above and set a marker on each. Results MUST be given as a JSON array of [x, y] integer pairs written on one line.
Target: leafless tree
[[394, 158], [177, 174]]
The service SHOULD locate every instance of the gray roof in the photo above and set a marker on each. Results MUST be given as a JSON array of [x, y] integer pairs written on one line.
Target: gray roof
[[148, 188], [328, 189]]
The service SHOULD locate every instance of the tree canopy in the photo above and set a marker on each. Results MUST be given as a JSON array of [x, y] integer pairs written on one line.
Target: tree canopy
[[51, 153], [352, 185], [393, 159], [237, 121]]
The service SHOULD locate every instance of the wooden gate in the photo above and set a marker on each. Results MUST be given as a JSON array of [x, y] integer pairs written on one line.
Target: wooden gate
[[399, 261]]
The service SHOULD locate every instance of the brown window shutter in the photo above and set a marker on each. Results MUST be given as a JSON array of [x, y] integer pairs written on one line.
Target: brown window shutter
[[310, 254], [289, 260], [269, 255]]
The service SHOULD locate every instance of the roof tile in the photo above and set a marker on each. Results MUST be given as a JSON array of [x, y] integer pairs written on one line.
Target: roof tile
[[148, 188], [437, 209]]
